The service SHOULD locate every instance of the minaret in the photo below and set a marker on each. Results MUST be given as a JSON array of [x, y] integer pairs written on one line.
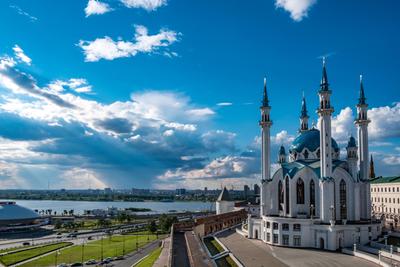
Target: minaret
[[371, 168], [265, 124], [352, 157], [353, 170], [303, 116], [282, 155], [325, 111], [362, 122]]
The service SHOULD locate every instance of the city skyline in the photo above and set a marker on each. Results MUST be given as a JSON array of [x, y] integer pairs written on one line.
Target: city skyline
[[166, 94]]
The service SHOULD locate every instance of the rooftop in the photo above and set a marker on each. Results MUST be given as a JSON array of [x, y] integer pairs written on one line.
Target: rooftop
[[385, 180]]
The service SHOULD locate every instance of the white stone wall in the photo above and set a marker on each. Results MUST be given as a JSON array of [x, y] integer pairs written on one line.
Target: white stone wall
[[224, 206]]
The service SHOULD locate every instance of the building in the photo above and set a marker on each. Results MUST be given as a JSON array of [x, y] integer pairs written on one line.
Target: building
[[316, 199], [224, 202], [246, 191], [385, 197], [180, 191], [14, 217], [256, 189]]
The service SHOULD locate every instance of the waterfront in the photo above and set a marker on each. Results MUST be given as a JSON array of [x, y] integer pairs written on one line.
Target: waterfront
[[80, 206]]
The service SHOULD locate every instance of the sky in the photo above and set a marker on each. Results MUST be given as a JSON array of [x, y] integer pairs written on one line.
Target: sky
[[165, 93]]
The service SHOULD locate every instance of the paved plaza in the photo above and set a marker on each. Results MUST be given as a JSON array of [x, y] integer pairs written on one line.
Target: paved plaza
[[255, 253]]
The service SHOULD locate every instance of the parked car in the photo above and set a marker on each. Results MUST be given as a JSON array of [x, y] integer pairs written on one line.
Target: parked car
[[90, 262], [90, 238], [76, 264], [62, 265], [26, 244]]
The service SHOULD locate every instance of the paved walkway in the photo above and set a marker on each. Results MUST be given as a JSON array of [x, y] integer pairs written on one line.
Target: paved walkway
[[197, 256], [255, 253], [162, 261], [180, 253], [134, 257]]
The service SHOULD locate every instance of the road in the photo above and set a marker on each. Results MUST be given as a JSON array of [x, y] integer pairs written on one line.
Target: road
[[134, 257], [256, 253]]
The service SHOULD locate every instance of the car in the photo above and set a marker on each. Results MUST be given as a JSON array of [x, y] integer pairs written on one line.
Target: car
[[59, 233], [90, 238], [118, 258], [62, 265], [90, 262], [26, 244], [59, 236], [76, 264]]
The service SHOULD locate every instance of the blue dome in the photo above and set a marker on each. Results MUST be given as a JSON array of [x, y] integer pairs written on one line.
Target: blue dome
[[310, 140]]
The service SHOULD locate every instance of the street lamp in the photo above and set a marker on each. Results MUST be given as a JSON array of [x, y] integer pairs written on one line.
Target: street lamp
[[83, 250]]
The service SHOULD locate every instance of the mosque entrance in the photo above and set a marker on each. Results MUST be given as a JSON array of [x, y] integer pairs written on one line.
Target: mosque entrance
[[321, 243]]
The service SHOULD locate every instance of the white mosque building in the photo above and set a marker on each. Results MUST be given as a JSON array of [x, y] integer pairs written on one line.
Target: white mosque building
[[315, 199]]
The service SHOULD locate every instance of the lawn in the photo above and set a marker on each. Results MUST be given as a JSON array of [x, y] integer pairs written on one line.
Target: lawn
[[213, 246], [226, 262], [149, 261], [16, 257], [112, 246]]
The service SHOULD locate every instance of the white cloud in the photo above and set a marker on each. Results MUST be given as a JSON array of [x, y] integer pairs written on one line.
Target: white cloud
[[24, 13], [149, 5], [107, 48], [298, 9], [385, 121], [224, 104], [343, 125], [392, 160], [78, 85], [19, 53], [200, 113], [281, 138], [95, 7], [80, 178]]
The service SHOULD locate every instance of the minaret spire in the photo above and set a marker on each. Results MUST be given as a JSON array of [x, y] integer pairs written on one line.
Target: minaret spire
[[265, 101], [371, 168], [303, 115], [324, 81], [362, 99]]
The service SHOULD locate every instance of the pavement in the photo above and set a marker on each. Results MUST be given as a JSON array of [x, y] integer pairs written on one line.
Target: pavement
[[180, 253], [255, 253], [134, 257], [162, 261], [197, 256]]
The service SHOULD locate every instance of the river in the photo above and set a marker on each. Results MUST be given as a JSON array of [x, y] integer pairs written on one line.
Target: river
[[80, 206]]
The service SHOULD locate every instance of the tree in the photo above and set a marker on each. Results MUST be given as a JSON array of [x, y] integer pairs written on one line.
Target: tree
[[166, 222], [152, 226]]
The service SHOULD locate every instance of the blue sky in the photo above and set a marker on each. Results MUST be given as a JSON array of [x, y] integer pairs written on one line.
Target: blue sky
[[165, 93]]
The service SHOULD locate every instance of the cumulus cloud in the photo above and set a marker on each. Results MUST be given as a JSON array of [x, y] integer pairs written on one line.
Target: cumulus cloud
[[385, 121], [149, 5], [95, 7], [78, 85], [108, 49], [281, 138], [298, 9], [343, 125], [20, 55]]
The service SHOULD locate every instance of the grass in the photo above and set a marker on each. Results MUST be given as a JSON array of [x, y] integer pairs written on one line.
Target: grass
[[226, 262], [149, 261], [112, 246], [16, 257], [213, 246]]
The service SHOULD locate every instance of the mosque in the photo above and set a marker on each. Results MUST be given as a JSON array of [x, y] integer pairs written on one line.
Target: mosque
[[315, 199]]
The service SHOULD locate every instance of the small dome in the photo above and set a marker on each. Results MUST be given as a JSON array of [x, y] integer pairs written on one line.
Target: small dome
[[12, 211], [352, 142], [310, 140]]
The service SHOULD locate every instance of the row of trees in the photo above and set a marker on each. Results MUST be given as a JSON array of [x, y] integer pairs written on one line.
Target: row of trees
[[164, 223]]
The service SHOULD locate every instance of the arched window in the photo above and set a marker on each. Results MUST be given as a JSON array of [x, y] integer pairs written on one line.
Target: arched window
[[280, 195], [287, 195], [306, 154], [300, 191], [342, 195], [312, 198]]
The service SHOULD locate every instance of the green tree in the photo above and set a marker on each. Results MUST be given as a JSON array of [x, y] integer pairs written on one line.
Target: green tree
[[166, 222], [152, 226]]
